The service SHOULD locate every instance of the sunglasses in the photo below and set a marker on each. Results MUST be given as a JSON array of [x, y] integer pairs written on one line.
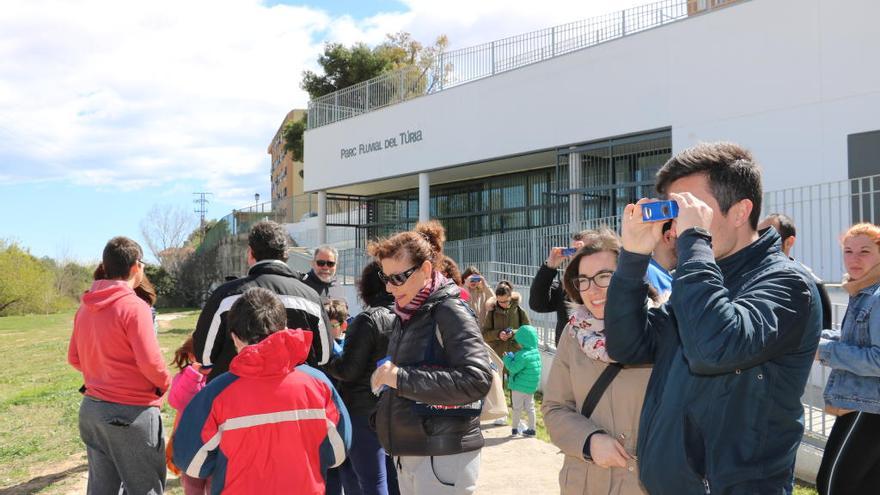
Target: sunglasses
[[323, 263], [601, 279], [397, 279]]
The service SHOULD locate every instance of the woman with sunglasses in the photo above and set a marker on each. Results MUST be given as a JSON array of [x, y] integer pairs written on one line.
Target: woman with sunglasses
[[599, 449], [436, 372]]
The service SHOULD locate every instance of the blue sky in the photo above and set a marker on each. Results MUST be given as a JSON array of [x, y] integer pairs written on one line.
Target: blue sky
[[110, 107]]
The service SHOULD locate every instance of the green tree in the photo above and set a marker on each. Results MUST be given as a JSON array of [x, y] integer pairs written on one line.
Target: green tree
[[346, 66], [26, 285]]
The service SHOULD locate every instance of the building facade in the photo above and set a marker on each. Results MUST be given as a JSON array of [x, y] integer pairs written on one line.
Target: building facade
[[570, 123], [286, 175]]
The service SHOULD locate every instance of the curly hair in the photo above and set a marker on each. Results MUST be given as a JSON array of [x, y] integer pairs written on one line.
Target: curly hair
[[424, 243]]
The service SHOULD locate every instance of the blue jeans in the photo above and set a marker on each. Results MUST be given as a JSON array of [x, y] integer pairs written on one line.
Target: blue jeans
[[374, 471]]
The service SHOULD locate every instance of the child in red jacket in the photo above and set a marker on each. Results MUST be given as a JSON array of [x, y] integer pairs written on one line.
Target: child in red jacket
[[271, 424]]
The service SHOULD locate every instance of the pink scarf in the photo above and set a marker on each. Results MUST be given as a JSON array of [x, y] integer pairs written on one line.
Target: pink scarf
[[589, 332], [412, 307]]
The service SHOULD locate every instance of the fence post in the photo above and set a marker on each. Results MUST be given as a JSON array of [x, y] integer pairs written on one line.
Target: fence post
[[623, 22], [367, 96], [402, 85], [493, 57], [553, 42]]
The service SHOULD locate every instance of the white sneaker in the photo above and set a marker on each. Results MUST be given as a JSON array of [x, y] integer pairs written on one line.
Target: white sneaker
[[500, 422]]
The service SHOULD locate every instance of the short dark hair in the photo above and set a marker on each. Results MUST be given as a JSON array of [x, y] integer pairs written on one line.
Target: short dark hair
[[371, 288], [120, 254], [257, 314], [732, 173], [337, 309], [268, 241], [504, 288], [786, 225]]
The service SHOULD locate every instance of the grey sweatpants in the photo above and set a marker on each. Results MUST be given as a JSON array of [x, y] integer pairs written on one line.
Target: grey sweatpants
[[438, 475], [522, 402], [125, 447]]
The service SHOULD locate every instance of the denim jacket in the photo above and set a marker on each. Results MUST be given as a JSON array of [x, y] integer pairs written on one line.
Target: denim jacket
[[854, 354]]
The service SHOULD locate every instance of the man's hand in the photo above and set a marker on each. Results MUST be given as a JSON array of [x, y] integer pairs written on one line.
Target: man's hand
[[555, 258], [607, 452], [691, 212], [636, 235]]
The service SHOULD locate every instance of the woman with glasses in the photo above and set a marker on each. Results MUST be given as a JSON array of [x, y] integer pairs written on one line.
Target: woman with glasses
[[436, 373], [599, 447]]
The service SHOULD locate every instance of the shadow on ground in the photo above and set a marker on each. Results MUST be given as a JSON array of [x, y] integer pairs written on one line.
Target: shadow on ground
[[41, 482]]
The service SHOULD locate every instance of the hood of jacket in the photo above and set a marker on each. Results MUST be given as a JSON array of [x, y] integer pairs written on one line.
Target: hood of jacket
[[515, 299], [527, 337], [277, 355], [103, 293]]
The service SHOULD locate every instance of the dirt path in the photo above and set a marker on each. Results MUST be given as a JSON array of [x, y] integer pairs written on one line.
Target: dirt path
[[517, 465]]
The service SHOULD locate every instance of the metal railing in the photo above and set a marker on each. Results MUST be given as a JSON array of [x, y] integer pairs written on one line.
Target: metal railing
[[453, 68]]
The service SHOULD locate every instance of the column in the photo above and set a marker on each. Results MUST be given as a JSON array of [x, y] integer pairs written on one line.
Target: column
[[424, 197], [575, 200], [322, 218]]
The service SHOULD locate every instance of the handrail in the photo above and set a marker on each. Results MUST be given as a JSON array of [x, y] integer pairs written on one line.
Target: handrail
[[453, 68]]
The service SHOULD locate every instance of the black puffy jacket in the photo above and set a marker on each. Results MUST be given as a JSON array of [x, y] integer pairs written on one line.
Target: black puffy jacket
[[465, 378], [366, 342], [211, 340]]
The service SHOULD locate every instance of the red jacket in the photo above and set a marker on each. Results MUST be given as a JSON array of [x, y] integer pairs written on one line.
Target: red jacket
[[114, 346], [269, 425]]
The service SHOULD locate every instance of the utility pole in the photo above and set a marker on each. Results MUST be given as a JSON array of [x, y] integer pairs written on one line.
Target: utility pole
[[202, 209]]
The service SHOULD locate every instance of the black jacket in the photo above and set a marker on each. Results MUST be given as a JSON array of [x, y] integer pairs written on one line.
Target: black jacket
[[321, 287], [366, 342], [211, 340], [466, 378], [732, 351], [547, 295]]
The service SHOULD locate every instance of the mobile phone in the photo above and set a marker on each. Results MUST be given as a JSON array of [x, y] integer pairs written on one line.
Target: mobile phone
[[659, 211], [569, 251]]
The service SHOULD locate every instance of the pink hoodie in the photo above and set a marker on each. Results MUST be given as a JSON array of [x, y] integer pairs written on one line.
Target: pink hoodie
[[184, 387], [115, 347]]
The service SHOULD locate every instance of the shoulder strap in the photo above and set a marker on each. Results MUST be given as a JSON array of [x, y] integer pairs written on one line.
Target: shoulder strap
[[599, 388]]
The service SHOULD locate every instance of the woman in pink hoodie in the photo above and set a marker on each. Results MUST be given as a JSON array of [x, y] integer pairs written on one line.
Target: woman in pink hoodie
[[184, 386]]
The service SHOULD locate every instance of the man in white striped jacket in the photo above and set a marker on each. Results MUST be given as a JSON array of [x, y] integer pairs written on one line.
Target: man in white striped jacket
[[266, 254]]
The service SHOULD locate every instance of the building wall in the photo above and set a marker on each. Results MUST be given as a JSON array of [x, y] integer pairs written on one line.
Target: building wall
[[285, 177], [790, 79]]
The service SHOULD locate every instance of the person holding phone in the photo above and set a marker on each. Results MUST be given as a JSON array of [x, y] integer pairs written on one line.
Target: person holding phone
[[547, 294], [504, 314]]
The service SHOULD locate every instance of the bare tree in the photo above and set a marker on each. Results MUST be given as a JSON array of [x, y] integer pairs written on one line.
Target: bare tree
[[166, 229]]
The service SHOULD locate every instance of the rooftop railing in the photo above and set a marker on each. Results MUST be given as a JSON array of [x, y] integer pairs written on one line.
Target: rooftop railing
[[453, 68]]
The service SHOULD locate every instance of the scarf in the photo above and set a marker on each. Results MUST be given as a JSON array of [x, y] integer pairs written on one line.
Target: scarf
[[589, 332], [870, 278], [411, 308]]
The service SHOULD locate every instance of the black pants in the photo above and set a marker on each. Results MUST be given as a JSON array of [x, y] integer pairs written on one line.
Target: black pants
[[851, 463]]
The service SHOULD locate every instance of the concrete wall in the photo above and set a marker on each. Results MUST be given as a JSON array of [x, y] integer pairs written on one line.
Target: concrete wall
[[788, 78]]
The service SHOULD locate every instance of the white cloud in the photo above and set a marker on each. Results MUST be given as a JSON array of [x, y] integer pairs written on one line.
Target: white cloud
[[137, 94]]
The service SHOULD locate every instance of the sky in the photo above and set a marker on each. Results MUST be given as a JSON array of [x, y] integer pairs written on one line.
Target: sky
[[109, 107]]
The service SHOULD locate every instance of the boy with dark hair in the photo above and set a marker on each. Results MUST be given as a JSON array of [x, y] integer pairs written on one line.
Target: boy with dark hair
[[733, 347], [267, 250], [268, 393], [114, 346]]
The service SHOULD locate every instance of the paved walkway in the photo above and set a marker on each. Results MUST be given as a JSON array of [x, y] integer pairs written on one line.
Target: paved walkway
[[517, 465]]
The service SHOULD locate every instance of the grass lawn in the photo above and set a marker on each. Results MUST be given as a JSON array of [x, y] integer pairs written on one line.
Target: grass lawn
[[39, 396]]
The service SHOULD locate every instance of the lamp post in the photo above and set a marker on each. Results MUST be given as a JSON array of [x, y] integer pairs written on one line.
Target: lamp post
[[256, 201]]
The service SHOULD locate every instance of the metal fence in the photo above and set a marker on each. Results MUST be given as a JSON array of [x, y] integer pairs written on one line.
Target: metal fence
[[453, 68]]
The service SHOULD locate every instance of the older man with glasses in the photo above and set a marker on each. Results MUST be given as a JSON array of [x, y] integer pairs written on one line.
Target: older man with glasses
[[322, 276]]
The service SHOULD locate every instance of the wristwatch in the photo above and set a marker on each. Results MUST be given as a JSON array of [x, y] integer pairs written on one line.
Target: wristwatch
[[700, 231]]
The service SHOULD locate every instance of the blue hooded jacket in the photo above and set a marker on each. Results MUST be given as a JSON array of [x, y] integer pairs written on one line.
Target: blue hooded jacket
[[732, 351]]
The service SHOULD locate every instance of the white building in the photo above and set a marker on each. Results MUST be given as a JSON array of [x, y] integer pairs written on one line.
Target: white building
[[796, 81]]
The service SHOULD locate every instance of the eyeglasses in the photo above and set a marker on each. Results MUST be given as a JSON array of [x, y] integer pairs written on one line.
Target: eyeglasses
[[397, 279], [601, 279], [141, 263], [323, 263], [335, 324]]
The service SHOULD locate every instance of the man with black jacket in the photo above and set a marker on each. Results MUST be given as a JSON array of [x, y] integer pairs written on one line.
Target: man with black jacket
[[733, 347], [267, 252], [322, 276]]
